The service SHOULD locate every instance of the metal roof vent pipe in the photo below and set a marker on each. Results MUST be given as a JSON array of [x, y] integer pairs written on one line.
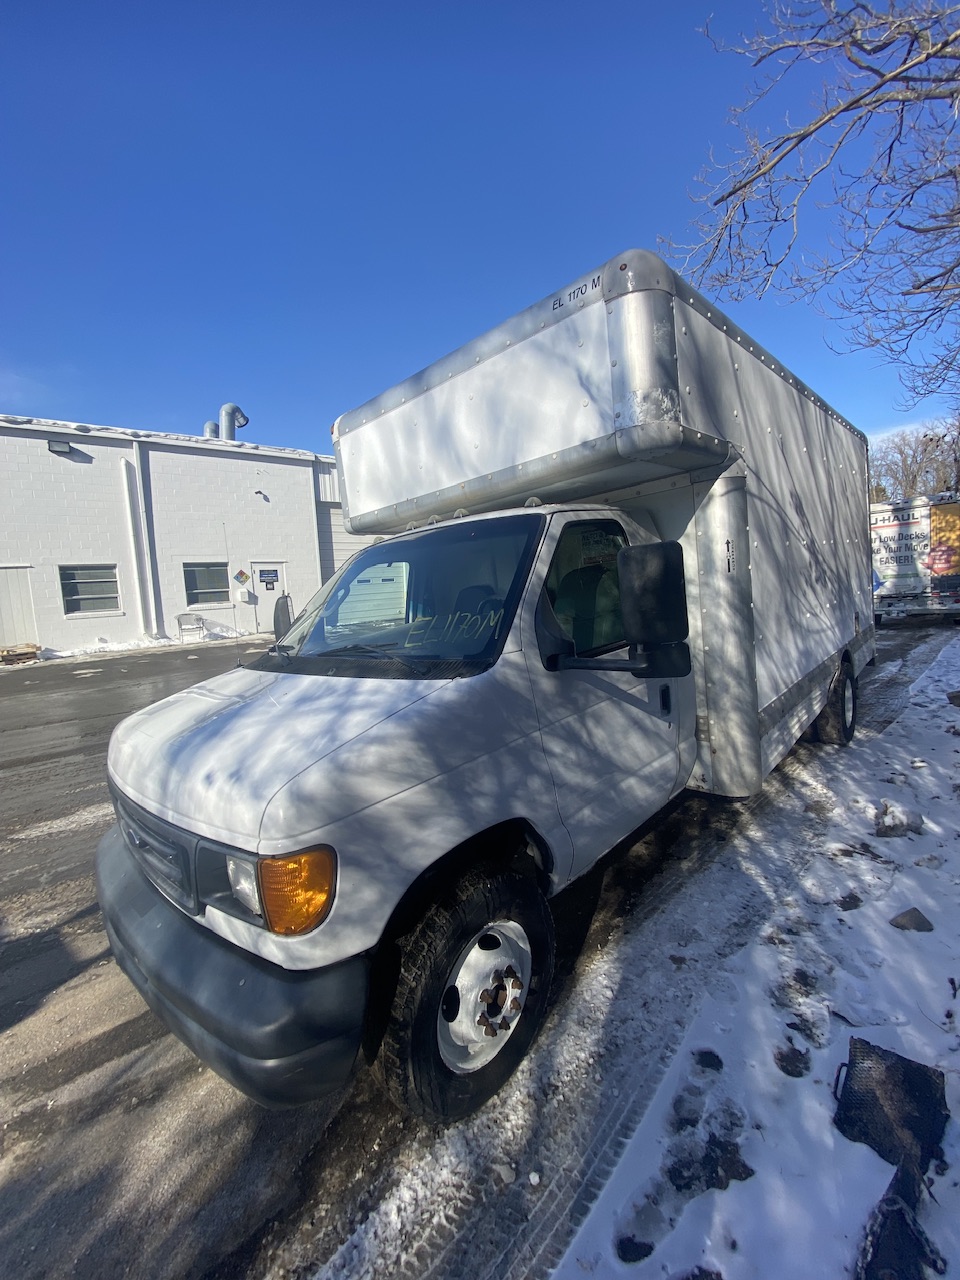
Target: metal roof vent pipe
[[211, 429], [232, 418]]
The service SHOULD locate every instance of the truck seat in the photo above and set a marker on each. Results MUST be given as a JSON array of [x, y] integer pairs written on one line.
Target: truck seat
[[470, 599], [588, 607]]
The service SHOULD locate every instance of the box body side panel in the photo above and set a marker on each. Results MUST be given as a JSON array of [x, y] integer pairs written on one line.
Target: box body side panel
[[539, 396], [807, 538]]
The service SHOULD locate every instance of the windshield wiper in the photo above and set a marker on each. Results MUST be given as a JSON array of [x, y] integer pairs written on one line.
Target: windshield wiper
[[282, 651], [371, 650]]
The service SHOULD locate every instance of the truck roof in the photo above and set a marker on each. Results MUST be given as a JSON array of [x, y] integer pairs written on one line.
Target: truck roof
[[626, 377], [634, 271]]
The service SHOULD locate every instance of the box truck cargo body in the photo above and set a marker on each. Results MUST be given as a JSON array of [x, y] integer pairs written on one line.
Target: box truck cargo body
[[624, 551], [916, 557]]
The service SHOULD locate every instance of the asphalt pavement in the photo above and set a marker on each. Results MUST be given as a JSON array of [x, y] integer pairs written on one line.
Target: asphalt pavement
[[119, 1151], [55, 722]]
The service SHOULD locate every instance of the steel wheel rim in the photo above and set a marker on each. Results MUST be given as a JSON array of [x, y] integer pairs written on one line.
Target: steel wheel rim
[[848, 702], [484, 996]]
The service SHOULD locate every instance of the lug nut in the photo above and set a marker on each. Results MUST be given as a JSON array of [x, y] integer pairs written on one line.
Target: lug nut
[[511, 973]]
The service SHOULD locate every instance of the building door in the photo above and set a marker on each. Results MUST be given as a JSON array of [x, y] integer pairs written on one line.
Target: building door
[[268, 581], [17, 622]]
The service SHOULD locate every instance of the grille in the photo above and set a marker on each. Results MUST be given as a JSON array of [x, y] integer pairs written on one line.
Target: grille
[[164, 853]]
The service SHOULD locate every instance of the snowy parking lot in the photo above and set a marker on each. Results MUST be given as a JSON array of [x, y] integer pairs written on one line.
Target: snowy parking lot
[[707, 1031], [674, 1120]]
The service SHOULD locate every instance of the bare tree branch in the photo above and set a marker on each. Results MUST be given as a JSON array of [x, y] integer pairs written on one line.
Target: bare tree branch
[[916, 461], [880, 149], [858, 102]]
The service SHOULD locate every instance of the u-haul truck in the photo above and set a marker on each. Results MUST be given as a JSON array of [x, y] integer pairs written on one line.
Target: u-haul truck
[[916, 557]]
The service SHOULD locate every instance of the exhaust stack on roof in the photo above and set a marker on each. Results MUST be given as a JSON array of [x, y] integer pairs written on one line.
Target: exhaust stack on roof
[[232, 418]]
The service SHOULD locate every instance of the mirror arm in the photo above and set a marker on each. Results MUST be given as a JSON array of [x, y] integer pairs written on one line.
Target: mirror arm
[[663, 663], [635, 665]]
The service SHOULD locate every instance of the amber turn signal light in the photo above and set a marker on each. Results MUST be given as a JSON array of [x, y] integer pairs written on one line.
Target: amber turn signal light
[[297, 891]]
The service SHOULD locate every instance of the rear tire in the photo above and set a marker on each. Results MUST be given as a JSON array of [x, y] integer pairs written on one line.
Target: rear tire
[[837, 722], [471, 994]]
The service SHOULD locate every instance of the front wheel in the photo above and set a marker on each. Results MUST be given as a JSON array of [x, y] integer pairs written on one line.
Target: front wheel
[[837, 722], [472, 990]]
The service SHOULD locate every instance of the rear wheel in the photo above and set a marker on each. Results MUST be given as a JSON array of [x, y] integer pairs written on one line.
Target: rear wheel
[[472, 990], [837, 722]]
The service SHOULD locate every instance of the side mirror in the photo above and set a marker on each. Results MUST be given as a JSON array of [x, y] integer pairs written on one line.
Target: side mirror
[[282, 616], [653, 597]]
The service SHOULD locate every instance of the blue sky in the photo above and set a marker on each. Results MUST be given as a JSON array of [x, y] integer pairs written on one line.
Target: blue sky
[[293, 205]]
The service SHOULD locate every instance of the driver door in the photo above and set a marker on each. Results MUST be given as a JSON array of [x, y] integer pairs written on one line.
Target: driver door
[[610, 738]]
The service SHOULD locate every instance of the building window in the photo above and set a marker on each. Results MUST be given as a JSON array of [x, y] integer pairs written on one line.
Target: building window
[[206, 584], [89, 588]]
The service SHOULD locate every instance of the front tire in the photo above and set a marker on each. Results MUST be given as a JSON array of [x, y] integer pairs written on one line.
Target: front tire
[[837, 722], [471, 994]]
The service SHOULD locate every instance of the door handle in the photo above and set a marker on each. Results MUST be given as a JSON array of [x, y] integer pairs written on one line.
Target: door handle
[[665, 699]]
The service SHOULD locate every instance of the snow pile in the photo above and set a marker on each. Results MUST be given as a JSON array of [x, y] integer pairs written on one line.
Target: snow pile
[[737, 1161], [107, 646], [214, 631]]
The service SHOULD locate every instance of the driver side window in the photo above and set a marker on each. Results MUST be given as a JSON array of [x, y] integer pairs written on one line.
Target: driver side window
[[583, 585]]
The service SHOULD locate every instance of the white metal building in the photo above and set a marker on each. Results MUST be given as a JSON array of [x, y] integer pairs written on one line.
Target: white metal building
[[108, 536]]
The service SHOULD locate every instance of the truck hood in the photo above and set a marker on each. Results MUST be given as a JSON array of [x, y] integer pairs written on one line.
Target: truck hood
[[210, 758]]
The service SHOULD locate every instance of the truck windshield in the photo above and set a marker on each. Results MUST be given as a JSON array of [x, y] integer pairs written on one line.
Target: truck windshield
[[426, 605]]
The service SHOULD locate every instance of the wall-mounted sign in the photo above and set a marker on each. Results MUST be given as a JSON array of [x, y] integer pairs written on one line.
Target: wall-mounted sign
[[268, 575], [241, 577]]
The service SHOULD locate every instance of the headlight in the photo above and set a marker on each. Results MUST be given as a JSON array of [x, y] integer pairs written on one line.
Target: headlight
[[288, 895]]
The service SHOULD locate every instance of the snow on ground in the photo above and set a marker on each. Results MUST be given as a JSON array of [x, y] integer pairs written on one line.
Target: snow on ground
[[212, 635], [747, 1103], [212, 631], [675, 1117]]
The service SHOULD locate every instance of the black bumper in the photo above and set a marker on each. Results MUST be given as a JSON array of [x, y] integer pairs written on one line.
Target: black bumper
[[281, 1036]]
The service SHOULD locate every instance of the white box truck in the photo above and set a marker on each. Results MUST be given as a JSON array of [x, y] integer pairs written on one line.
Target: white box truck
[[625, 551], [916, 557]]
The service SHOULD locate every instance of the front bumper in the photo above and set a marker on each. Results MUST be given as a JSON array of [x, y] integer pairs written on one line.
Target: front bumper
[[281, 1036]]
